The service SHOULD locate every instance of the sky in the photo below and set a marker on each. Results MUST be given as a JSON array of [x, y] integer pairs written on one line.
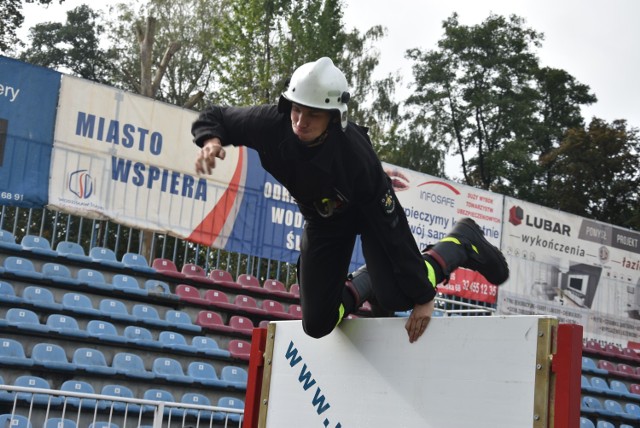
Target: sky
[[596, 41]]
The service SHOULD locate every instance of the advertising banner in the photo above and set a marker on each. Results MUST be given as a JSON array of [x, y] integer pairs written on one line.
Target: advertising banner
[[129, 158], [433, 205], [28, 100], [580, 270]]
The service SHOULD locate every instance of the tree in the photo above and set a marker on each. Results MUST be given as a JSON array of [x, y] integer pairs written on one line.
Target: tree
[[73, 46], [11, 18], [596, 173]]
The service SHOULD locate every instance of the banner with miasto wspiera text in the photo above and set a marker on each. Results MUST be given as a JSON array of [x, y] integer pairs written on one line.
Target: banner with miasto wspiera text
[[580, 270], [28, 100], [129, 158]]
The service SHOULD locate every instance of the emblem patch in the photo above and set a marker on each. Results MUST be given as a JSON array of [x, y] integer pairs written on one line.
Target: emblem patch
[[388, 203]]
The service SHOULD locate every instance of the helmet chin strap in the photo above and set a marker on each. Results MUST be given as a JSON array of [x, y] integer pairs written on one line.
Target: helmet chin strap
[[318, 140]]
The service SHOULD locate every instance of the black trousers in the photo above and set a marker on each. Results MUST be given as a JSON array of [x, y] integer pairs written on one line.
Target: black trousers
[[397, 269]]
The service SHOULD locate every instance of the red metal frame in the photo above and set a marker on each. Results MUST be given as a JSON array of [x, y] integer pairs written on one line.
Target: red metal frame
[[254, 381], [567, 366]]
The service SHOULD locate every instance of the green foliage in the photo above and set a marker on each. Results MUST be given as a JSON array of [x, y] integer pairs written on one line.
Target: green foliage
[[11, 18]]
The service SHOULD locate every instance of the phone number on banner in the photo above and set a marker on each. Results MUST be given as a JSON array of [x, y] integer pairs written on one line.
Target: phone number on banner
[[470, 285], [11, 196]]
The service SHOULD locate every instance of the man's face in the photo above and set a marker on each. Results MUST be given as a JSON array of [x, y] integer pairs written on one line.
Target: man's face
[[309, 123]]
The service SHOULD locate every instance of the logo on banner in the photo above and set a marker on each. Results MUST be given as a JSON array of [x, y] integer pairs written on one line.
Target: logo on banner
[[516, 215], [81, 183]]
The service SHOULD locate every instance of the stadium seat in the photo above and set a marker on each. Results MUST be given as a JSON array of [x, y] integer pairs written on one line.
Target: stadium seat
[[80, 304], [617, 410], [619, 389], [72, 251], [219, 299], [209, 346], [104, 330], [14, 421], [79, 387], [21, 268], [593, 347], [117, 310], [127, 284], [200, 400], [51, 356], [105, 257], [149, 315], [276, 288], [212, 320], [630, 355], [119, 391], [140, 336], [158, 288], [275, 308], [599, 386], [224, 278], [231, 403], [163, 395], [8, 241], [205, 374], [59, 423], [30, 381], [59, 274], [240, 349], [189, 293], [295, 290], [175, 342], [37, 245], [94, 279], [170, 370], [627, 371], [248, 304], [65, 325], [137, 262], [103, 424], [592, 405], [241, 324], [8, 293], [633, 411], [12, 353], [92, 361], [612, 351], [295, 311], [605, 424], [182, 320], [40, 297], [607, 366], [235, 377], [196, 273], [25, 319], [131, 365], [166, 267], [251, 283], [634, 389]]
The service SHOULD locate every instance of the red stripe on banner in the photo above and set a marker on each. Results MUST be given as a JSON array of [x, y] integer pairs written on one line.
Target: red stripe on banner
[[441, 183], [209, 229]]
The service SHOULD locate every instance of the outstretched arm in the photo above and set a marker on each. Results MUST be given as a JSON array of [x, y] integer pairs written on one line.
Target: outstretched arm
[[206, 160]]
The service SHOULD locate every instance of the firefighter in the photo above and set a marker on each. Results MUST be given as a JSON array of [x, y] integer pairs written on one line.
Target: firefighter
[[328, 165]]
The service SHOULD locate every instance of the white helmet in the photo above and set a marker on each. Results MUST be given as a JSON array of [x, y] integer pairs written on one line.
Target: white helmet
[[320, 85]]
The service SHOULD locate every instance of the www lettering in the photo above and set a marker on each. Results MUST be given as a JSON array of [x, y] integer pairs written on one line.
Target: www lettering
[[319, 402]]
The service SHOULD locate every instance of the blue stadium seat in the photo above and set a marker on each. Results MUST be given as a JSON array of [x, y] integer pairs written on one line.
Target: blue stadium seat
[[59, 274], [149, 315], [37, 245], [205, 374], [104, 330], [94, 279], [619, 389], [586, 423], [182, 320], [141, 336], [25, 319], [21, 267], [29, 381], [103, 424], [12, 353], [170, 369], [8, 240], [164, 396], [59, 423], [137, 262], [105, 257], [175, 341], [120, 391], [116, 310], [14, 421], [131, 365], [8, 293], [616, 409], [592, 405], [51, 356], [605, 424], [231, 403], [159, 288], [79, 387], [66, 325], [200, 400], [633, 411], [92, 361], [127, 284], [235, 377], [599, 385], [72, 251], [589, 366], [40, 297], [79, 303], [208, 346]]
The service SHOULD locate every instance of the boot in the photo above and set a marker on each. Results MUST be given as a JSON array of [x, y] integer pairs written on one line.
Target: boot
[[359, 284], [465, 246]]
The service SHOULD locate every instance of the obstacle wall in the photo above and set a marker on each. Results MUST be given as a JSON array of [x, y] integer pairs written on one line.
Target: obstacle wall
[[465, 371]]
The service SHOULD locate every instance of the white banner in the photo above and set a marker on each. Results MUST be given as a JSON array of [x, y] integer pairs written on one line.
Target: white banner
[[129, 158], [577, 269]]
